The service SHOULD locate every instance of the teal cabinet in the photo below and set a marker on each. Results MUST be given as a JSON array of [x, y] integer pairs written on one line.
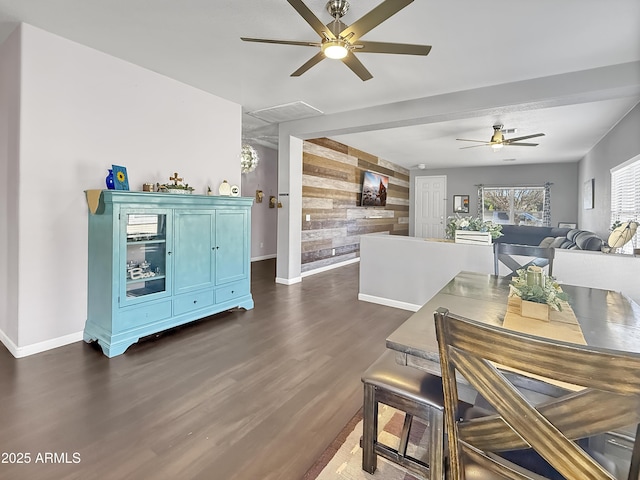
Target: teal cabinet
[[159, 260]]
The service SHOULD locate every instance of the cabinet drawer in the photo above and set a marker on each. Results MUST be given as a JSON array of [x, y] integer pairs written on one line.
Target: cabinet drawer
[[144, 314], [231, 291], [192, 301]]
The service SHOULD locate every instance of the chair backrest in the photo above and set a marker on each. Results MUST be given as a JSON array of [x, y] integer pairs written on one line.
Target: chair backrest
[[609, 397], [502, 254]]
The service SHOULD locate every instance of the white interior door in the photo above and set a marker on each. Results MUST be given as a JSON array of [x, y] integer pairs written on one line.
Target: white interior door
[[431, 201]]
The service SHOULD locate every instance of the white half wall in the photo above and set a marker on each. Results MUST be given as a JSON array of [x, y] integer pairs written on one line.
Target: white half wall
[[405, 272], [82, 111]]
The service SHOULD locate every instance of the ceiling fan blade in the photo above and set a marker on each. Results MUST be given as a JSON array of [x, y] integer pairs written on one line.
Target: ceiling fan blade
[[474, 146], [357, 67], [517, 139], [281, 42], [521, 144], [372, 19], [397, 48], [479, 141], [320, 28], [317, 58]]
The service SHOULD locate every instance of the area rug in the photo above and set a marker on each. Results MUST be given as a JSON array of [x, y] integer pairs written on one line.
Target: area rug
[[343, 458]]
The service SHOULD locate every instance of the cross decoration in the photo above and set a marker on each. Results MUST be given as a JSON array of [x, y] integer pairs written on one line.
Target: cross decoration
[[175, 178]]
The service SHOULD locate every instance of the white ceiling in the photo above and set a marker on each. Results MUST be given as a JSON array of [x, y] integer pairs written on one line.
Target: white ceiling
[[475, 43]]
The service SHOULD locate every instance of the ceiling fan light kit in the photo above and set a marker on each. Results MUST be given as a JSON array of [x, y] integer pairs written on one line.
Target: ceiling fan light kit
[[335, 49], [339, 41], [498, 141]]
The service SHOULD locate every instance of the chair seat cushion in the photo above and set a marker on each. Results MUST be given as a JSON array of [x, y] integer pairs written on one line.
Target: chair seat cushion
[[405, 381]]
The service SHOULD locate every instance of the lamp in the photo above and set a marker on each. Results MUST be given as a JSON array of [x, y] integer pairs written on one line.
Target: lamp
[[248, 159], [335, 49]]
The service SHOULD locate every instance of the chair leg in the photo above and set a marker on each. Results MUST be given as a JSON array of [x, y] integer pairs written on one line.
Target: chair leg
[[404, 437], [369, 429], [436, 444]]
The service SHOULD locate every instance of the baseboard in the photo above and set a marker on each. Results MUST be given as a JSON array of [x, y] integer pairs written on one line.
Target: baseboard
[[330, 267], [263, 257], [288, 281], [20, 352], [388, 302]]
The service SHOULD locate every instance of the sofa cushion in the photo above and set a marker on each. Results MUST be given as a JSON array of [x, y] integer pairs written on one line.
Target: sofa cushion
[[546, 242], [588, 241], [571, 234], [558, 242]]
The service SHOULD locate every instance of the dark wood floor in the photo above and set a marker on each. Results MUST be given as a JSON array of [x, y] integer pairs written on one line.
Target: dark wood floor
[[241, 395]]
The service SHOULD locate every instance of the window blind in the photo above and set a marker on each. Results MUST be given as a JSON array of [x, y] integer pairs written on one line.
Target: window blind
[[625, 196]]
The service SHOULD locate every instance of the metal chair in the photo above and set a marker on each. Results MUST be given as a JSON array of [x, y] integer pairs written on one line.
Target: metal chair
[[502, 254], [417, 394], [607, 397]]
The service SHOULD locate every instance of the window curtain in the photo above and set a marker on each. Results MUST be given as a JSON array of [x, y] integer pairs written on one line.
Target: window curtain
[[480, 198], [546, 206]]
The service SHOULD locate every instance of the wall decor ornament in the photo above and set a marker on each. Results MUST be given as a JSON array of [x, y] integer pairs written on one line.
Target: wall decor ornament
[[176, 186], [109, 180], [461, 203], [120, 178], [248, 159], [587, 194]]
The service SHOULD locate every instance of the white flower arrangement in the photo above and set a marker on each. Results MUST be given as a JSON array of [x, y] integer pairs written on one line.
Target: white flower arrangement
[[248, 159]]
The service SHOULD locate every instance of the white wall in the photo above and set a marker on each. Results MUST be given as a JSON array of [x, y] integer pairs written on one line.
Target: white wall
[[9, 138], [621, 144], [81, 112], [464, 181], [263, 219]]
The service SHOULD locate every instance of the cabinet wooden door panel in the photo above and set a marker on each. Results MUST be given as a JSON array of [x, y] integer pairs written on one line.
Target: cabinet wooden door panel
[[194, 257], [232, 246]]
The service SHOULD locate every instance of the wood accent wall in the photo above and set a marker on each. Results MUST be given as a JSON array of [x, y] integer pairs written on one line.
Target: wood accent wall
[[332, 176]]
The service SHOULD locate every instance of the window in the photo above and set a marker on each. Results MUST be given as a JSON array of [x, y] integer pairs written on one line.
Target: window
[[514, 205], [625, 196]]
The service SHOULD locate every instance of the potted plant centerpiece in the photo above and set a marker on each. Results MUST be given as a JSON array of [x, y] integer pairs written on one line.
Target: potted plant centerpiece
[[538, 291], [472, 230]]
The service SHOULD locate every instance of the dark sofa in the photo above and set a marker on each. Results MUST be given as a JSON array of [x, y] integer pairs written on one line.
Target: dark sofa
[[569, 238]]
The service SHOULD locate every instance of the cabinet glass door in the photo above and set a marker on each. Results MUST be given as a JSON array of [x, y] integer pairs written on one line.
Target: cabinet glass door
[[146, 254]]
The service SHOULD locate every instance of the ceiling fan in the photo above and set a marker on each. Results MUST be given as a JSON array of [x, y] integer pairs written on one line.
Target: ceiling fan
[[340, 41], [498, 140]]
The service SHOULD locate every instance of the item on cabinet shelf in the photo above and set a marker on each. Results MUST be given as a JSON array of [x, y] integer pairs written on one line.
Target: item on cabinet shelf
[[147, 187], [173, 261], [209, 192], [235, 191], [259, 196], [109, 180], [176, 186], [225, 188], [120, 178], [272, 202]]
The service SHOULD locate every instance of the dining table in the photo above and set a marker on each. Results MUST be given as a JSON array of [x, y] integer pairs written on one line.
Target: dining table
[[591, 316]]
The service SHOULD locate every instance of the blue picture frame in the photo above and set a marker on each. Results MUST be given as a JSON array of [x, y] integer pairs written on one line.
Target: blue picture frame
[[120, 178]]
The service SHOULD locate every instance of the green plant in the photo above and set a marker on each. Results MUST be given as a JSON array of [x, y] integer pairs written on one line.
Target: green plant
[[546, 290], [473, 224]]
